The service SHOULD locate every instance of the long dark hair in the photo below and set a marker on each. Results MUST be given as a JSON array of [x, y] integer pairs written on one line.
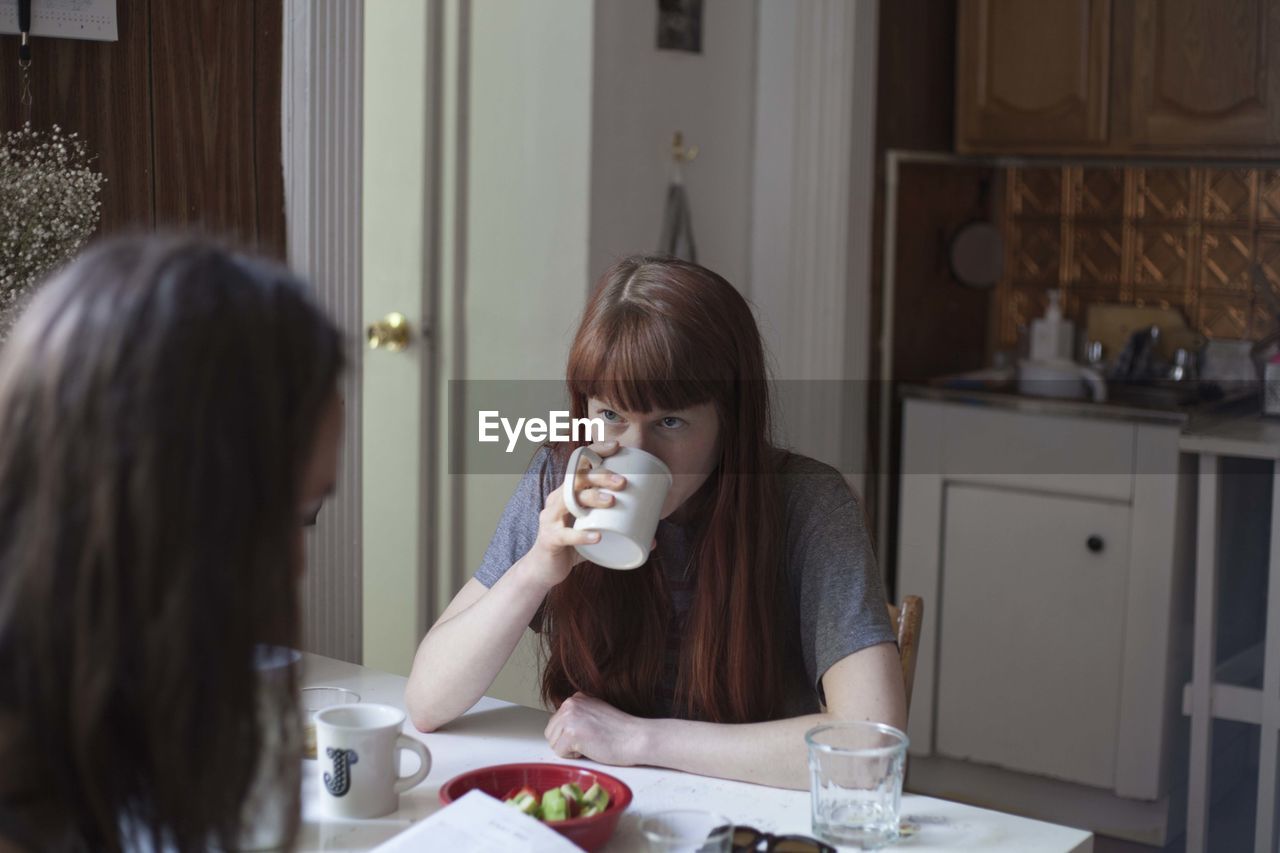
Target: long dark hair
[[666, 334], [158, 401]]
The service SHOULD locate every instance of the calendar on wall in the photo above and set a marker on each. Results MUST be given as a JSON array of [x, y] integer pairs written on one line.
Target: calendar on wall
[[71, 19]]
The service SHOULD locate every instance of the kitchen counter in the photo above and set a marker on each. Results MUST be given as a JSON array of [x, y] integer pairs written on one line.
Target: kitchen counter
[[1191, 417], [1251, 436]]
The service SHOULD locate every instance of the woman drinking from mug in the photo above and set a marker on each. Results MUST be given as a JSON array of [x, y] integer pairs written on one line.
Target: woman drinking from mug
[[759, 613], [168, 420]]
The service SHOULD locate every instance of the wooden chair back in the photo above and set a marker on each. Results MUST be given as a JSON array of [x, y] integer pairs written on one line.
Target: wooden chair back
[[906, 619]]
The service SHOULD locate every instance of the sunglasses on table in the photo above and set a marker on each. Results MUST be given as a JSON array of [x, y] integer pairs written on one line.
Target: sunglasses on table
[[748, 839]]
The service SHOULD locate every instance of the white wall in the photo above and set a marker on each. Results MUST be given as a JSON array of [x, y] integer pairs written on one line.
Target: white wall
[[811, 218], [641, 96], [528, 164]]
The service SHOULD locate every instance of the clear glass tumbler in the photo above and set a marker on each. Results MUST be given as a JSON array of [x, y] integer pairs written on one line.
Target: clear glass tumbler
[[855, 772], [316, 699]]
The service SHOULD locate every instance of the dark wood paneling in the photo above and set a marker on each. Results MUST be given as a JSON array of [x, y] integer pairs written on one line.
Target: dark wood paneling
[[915, 82], [939, 325], [202, 100], [99, 90], [268, 167], [915, 100], [183, 114]]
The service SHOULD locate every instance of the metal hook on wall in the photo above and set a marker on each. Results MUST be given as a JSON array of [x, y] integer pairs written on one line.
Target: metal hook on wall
[[680, 154]]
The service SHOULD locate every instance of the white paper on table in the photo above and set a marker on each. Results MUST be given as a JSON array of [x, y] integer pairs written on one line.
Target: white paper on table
[[477, 823], [71, 19]]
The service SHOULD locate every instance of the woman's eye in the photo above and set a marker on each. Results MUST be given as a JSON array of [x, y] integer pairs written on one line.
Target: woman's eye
[[671, 422], [609, 415]]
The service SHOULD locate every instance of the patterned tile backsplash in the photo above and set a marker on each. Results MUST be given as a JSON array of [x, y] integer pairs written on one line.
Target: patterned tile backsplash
[[1185, 237]]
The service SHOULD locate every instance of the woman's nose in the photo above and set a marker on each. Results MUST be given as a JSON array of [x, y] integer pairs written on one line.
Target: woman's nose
[[633, 436]]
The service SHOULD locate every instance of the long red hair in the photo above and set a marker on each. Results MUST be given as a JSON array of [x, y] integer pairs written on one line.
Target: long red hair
[[663, 334]]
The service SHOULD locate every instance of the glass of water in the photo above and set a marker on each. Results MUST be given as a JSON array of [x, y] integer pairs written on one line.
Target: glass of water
[[687, 831], [314, 700], [855, 783]]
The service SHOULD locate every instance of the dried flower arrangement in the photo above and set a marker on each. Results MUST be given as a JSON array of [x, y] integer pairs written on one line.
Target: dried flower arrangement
[[49, 208]]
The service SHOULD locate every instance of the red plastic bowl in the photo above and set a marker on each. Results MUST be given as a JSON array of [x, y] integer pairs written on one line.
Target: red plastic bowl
[[589, 833]]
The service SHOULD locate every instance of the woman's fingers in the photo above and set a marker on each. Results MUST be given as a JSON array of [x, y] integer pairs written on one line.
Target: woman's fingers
[[569, 536], [599, 477], [595, 497]]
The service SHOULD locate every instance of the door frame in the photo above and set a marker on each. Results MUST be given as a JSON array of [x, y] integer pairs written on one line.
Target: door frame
[[321, 108]]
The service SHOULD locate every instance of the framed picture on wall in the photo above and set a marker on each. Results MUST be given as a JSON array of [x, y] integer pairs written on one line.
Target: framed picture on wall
[[680, 25]]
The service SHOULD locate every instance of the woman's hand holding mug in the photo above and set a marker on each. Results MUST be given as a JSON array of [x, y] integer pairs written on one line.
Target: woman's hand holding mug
[[609, 515], [627, 522], [557, 537]]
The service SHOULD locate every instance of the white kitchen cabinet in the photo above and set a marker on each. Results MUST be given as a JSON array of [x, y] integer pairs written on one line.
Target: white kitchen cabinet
[[1049, 675], [1029, 672]]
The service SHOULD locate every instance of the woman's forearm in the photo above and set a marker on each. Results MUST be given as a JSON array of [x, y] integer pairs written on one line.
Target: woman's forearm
[[460, 657], [771, 753], [866, 685]]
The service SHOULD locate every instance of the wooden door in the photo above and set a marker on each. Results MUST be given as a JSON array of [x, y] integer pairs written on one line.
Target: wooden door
[[1033, 603], [1205, 75], [1032, 75]]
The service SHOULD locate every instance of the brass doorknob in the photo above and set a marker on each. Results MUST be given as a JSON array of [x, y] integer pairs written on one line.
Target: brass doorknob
[[391, 333]]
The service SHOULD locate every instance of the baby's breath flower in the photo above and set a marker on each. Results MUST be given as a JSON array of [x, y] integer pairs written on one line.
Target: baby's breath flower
[[49, 208]]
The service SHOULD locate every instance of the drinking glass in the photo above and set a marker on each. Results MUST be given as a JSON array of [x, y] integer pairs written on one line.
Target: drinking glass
[[856, 783], [317, 699], [271, 807]]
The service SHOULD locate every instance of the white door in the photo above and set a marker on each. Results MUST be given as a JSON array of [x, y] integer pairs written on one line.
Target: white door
[[400, 272], [1033, 592]]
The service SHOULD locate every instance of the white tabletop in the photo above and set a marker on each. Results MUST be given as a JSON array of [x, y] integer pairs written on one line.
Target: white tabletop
[[496, 732]]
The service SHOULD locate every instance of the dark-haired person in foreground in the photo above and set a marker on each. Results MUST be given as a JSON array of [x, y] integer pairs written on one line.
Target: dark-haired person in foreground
[[168, 418]]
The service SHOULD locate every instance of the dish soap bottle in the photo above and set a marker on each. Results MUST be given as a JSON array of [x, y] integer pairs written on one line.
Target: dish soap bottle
[[1052, 337]]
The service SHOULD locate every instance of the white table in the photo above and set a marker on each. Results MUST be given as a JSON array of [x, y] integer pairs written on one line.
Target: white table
[[1208, 697], [496, 732]]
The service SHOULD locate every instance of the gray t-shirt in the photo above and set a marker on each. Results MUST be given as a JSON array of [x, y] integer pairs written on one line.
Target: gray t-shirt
[[838, 602]]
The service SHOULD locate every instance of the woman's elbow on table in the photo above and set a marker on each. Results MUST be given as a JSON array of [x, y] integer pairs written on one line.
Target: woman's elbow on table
[[419, 710]]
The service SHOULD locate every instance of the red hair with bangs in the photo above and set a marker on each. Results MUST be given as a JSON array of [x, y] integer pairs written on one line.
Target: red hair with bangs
[[664, 334]]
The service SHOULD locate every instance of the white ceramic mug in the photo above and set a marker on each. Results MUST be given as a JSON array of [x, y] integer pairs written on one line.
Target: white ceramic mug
[[357, 757], [628, 525]]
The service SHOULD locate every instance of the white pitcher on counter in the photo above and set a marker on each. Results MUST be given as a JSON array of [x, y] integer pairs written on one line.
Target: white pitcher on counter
[[1050, 372]]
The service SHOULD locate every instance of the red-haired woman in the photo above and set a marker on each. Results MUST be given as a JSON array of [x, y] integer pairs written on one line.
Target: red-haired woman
[[760, 612]]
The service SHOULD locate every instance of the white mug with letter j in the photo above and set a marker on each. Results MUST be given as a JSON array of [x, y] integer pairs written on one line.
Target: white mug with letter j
[[627, 526], [358, 760]]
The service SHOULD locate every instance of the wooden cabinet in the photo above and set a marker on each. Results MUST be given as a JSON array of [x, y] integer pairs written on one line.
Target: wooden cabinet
[[1205, 74], [1119, 77], [1034, 587], [1032, 73]]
